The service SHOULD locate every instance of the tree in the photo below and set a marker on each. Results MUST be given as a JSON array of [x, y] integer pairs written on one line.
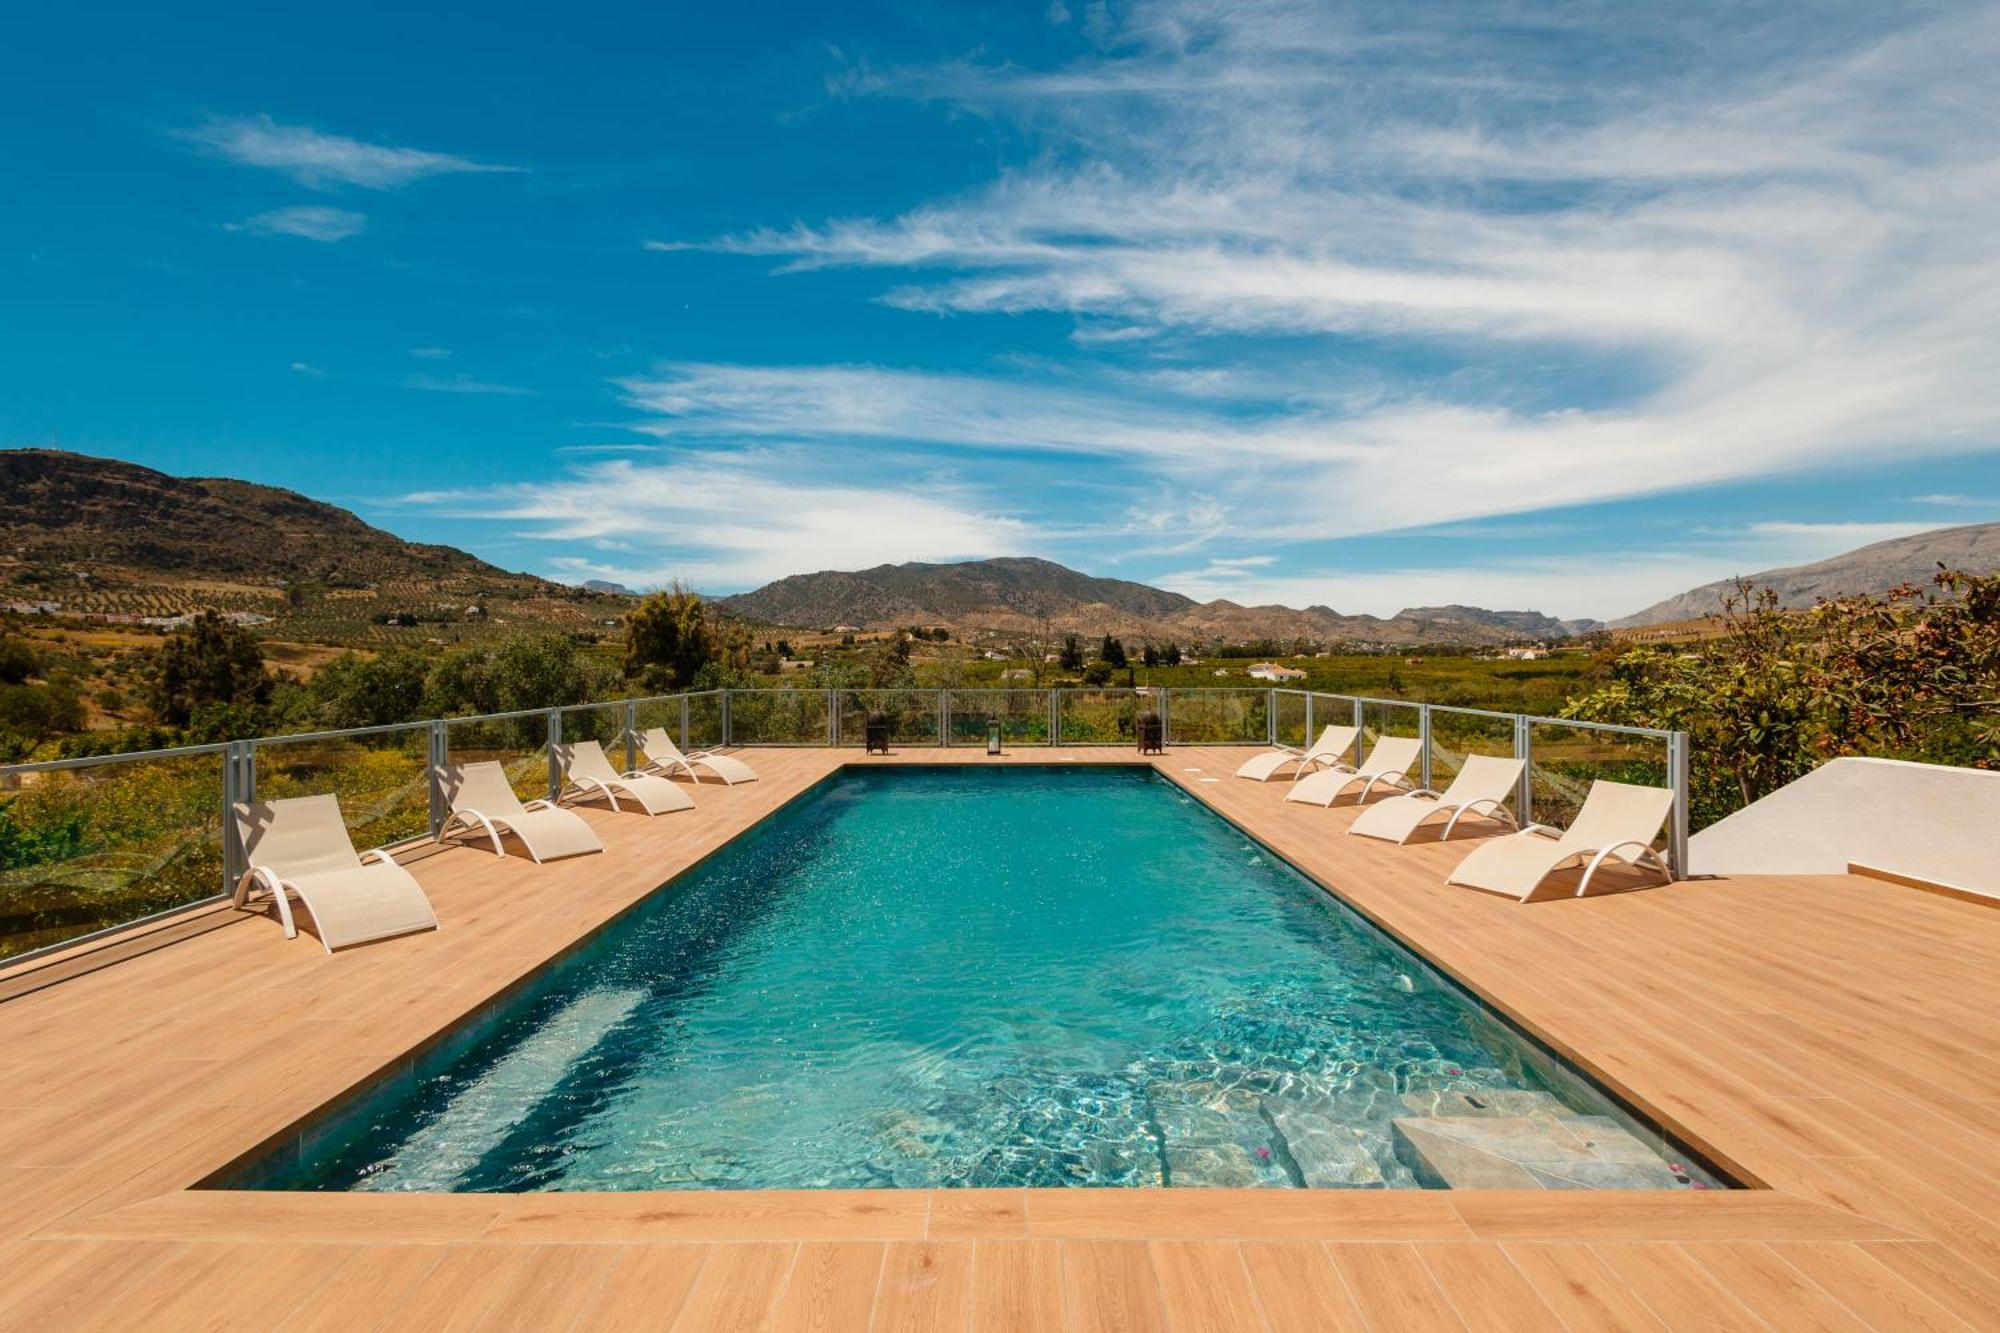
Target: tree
[[1112, 653], [1072, 654], [1171, 654], [1150, 656], [668, 639], [211, 662], [357, 691], [18, 661], [1097, 673], [31, 714]]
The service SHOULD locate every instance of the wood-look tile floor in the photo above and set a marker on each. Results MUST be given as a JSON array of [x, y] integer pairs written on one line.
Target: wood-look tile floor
[[1831, 1038]]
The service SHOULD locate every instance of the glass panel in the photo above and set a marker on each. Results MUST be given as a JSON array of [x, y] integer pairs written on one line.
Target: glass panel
[[1381, 718], [520, 745], [704, 715], [777, 717], [1102, 717], [1456, 735], [912, 714], [383, 781], [1334, 710], [1023, 716], [85, 849], [1292, 718], [1567, 759], [604, 724], [1220, 717]]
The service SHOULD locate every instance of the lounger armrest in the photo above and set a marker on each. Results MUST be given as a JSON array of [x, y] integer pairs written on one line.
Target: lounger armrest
[[540, 803], [274, 884], [379, 855], [1432, 792]]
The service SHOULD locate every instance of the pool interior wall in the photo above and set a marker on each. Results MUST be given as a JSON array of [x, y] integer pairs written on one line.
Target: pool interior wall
[[1020, 976]]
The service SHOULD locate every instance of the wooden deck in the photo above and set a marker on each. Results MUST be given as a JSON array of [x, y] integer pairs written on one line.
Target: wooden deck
[[1835, 1039]]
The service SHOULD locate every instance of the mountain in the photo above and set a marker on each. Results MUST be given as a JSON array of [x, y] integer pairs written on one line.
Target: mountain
[[607, 586], [1022, 595], [113, 541], [1876, 568]]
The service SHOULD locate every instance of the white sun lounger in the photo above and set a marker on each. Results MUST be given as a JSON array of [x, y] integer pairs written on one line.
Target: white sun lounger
[[590, 775], [1388, 761], [665, 757], [1483, 786], [481, 797], [1618, 821], [300, 846], [1333, 743]]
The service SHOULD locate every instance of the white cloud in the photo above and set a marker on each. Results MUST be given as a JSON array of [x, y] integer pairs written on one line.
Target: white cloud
[[309, 221], [727, 521], [463, 384], [322, 161], [1781, 264]]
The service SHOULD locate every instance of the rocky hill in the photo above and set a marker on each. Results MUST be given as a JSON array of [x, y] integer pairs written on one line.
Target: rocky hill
[[1869, 569], [111, 541], [1027, 595]]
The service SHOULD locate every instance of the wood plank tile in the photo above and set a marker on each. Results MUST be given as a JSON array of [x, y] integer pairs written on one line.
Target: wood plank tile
[[1205, 1288], [1113, 1214], [1584, 1294], [1017, 1286], [1772, 1288], [548, 1287], [374, 1282], [1877, 1296], [832, 1287], [1298, 1288], [645, 1289], [737, 1289], [1109, 1287], [1485, 1288], [926, 1285], [1675, 1288], [1393, 1288]]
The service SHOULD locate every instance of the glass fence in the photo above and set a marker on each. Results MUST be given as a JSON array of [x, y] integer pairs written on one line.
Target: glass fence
[[98, 843]]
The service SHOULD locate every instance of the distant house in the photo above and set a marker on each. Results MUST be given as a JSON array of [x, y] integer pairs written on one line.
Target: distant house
[[1017, 673], [845, 629], [993, 655], [1273, 672], [1533, 654], [795, 664]]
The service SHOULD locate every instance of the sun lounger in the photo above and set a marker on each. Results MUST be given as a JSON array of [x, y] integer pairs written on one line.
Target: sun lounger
[[1618, 822], [665, 757], [590, 775], [300, 846], [481, 797], [1484, 786], [1333, 744], [1388, 761]]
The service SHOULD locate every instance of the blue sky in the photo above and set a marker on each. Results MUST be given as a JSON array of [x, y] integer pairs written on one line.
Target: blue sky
[[1563, 307]]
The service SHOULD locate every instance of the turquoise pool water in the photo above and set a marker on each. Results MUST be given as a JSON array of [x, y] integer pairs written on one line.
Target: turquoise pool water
[[960, 977]]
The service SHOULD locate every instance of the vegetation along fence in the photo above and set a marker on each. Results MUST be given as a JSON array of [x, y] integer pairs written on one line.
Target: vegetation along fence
[[99, 843]]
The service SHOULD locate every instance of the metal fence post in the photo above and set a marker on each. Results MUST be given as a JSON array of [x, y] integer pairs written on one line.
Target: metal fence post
[[232, 795], [631, 735], [1165, 696], [1359, 718], [1270, 717], [1055, 717], [832, 719], [440, 811], [725, 719], [1524, 791], [1309, 720], [555, 762], [944, 715], [1677, 778], [1424, 745], [684, 722]]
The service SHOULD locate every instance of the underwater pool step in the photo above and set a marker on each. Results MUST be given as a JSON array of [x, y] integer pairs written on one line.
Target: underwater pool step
[[1537, 1151], [1326, 1151]]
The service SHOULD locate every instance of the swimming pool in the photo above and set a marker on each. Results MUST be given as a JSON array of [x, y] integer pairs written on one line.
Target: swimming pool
[[983, 977]]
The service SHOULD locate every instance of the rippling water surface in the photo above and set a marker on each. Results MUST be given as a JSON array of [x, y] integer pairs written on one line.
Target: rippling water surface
[[954, 977]]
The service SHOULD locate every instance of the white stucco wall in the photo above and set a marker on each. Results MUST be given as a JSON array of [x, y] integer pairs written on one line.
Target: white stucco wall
[[1922, 820]]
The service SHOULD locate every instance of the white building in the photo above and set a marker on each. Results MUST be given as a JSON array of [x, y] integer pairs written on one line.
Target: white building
[[1271, 671]]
